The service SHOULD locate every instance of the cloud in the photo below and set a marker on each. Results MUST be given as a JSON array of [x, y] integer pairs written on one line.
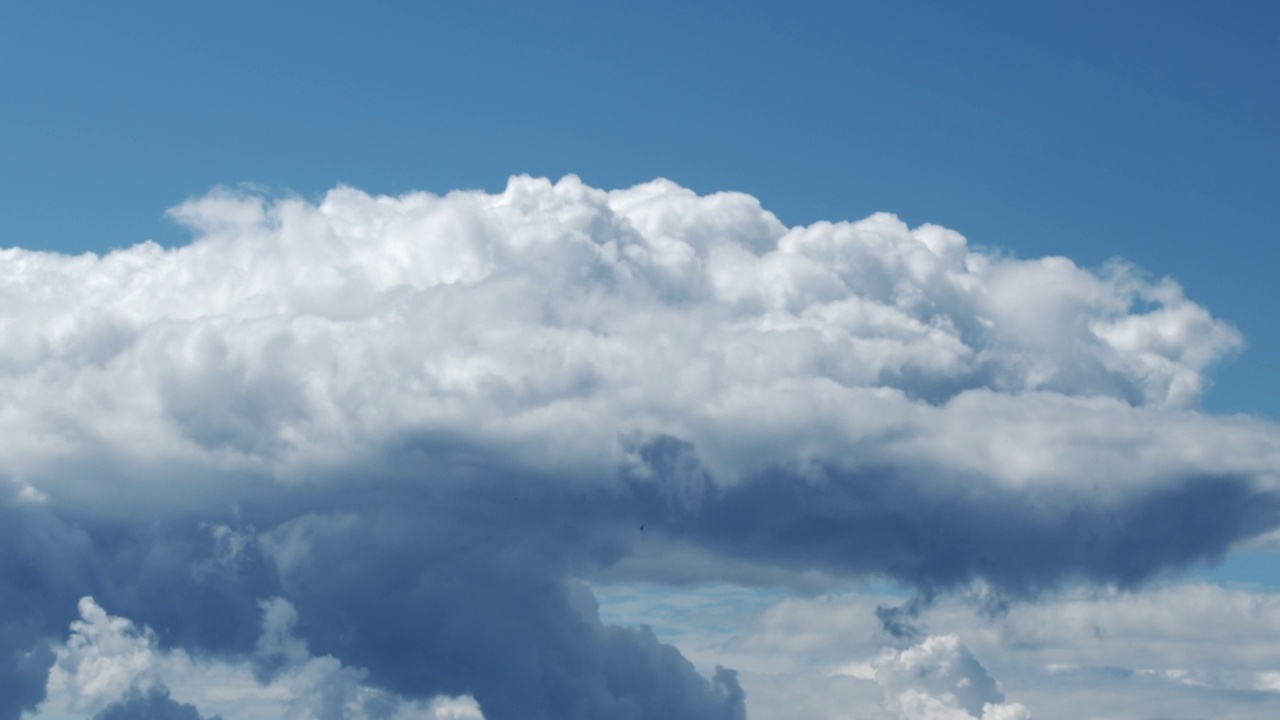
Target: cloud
[[417, 419], [940, 679], [490, 603], [103, 659], [113, 669], [1181, 650]]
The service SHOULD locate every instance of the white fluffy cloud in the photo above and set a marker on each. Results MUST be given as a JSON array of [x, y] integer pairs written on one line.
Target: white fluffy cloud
[[415, 418], [940, 679], [103, 658], [107, 662], [552, 322]]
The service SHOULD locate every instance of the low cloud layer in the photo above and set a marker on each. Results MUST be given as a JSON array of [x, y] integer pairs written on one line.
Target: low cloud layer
[[415, 419], [940, 679], [1181, 650], [113, 670]]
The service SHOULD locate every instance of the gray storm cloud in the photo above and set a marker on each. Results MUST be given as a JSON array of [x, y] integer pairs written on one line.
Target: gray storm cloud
[[418, 418]]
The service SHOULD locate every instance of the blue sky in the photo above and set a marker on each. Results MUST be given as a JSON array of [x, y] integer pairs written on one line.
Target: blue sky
[[752, 436], [1145, 130]]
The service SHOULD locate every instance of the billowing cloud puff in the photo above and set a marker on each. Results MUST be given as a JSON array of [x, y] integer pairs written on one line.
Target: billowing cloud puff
[[940, 679], [114, 670], [102, 660], [416, 418]]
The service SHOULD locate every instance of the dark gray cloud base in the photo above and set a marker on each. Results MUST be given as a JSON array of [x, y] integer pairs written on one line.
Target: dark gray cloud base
[[419, 419], [934, 535]]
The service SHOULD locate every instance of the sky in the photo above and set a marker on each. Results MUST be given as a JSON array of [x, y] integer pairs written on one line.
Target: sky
[[582, 360]]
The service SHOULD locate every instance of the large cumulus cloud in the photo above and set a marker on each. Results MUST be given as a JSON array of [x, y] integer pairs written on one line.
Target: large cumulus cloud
[[417, 418]]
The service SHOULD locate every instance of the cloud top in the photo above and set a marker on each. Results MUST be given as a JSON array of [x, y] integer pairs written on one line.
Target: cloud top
[[940, 679], [551, 322]]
